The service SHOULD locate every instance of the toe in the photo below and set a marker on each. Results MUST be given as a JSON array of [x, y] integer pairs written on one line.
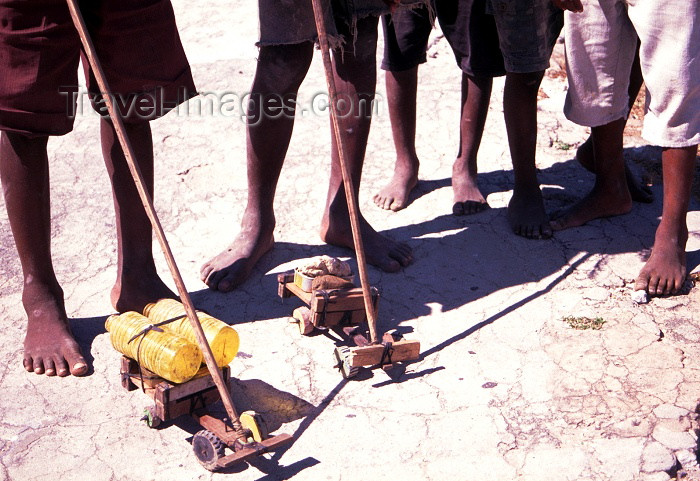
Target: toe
[[28, 364], [78, 365], [38, 364], [62, 368], [50, 367], [396, 206], [642, 283], [458, 208], [390, 265], [205, 271]]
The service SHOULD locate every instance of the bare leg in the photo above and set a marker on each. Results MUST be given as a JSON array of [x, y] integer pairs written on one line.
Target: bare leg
[[584, 154], [401, 90], [526, 212], [49, 346], [610, 195], [137, 281], [665, 271], [280, 71], [355, 78], [476, 93]]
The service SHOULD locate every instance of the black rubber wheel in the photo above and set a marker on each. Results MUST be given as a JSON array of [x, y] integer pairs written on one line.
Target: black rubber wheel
[[208, 448]]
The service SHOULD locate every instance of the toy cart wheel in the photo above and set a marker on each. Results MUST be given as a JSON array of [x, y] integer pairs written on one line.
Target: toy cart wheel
[[342, 361], [255, 423], [151, 418], [303, 317], [208, 448]]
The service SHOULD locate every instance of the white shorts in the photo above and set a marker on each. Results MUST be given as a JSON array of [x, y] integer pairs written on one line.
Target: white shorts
[[600, 48]]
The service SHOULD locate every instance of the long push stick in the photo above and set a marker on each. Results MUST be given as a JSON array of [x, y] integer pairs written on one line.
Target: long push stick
[[350, 196], [115, 115]]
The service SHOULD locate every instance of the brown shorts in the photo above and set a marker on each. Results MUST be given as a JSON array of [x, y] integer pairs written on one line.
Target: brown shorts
[[136, 41]]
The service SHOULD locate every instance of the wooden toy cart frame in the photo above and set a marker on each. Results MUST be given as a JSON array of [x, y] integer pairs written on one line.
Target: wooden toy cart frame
[[196, 398], [344, 312]]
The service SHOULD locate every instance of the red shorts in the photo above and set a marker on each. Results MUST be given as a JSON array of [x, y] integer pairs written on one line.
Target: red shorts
[[136, 41]]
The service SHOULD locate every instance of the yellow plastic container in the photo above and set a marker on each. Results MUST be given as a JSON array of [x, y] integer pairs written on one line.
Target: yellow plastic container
[[222, 338], [170, 356]]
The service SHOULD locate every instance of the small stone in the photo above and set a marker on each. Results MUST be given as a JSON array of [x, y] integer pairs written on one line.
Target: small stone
[[688, 458], [656, 477], [656, 457], [669, 411], [674, 440], [640, 297]]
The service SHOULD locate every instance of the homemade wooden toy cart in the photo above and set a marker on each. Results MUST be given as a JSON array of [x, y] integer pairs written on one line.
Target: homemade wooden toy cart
[[199, 398], [243, 434], [343, 311]]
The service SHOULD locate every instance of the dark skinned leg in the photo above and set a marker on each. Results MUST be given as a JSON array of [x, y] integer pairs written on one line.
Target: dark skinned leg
[[526, 212], [137, 281], [584, 154], [610, 195], [665, 271], [476, 94], [355, 78], [49, 346], [401, 88], [280, 71]]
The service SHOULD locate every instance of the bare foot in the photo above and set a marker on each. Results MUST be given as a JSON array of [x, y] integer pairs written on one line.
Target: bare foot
[[49, 346], [527, 216], [468, 199], [665, 271], [598, 203], [380, 251], [137, 287], [231, 267], [639, 191], [394, 196]]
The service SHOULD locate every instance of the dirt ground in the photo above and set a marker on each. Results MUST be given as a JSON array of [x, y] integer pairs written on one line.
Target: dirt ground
[[535, 363]]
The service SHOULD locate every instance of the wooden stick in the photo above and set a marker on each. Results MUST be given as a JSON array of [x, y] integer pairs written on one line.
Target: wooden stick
[[147, 202], [350, 197]]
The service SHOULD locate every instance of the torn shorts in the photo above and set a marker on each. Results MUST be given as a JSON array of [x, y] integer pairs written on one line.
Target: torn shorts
[[600, 49], [289, 22]]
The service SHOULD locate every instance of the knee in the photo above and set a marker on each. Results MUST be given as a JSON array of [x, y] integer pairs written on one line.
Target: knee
[[24, 143], [282, 68], [530, 80]]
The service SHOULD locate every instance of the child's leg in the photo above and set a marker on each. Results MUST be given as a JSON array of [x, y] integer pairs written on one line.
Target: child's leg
[[280, 71], [355, 78], [584, 154], [49, 346], [401, 88], [526, 212], [610, 195], [137, 282], [665, 271], [406, 34], [476, 94]]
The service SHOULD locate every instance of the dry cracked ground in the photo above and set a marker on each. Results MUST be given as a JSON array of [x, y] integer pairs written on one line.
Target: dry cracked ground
[[535, 363]]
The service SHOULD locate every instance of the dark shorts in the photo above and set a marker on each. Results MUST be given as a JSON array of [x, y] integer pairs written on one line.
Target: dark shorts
[[289, 22], [527, 32], [136, 40], [470, 32]]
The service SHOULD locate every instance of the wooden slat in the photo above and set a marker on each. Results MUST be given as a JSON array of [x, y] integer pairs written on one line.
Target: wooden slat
[[282, 281], [255, 449], [341, 300], [301, 294], [372, 355]]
